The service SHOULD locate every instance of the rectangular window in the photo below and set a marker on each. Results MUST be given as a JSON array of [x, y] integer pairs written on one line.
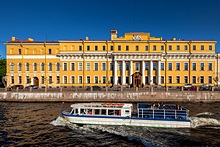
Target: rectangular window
[[202, 66], [49, 51], [19, 79], [136, 48], [119, 48], [127, 65], [194, 79], [137, 66], [80, 66], [186, 79], [65, 79], [88, 48], [72, 66], [162, 48], [72, 79], [169, 66], [12, 80], [27, 80], [146, 48], [177, 66], [170, 47], [103, 47], [193, 66], [202, 79], [210, 47], [88, 79], [96, 67], [119, 66], [177, 79], [210, 66], [154, 47], [80, 80], [42, 79], [162, 79], [154, 65], [80, 48], [185, 47], [96, 79], [88, 66], [64, 66], [177, 47], [146, 65], [170, 79], [111, 66], [194, 47], [202, 47], [19, 51], [58, 79], [111, 48], [103, 79], [185, 66], [103, 66], [50, 80], [127, 48], [96, 48], [162, 66], [210, 79]]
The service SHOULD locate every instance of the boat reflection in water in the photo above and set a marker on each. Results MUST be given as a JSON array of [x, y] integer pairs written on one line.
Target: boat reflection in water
[[147, 115]]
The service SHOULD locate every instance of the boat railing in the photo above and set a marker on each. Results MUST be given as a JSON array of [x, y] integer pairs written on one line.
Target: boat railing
[[163, 114]]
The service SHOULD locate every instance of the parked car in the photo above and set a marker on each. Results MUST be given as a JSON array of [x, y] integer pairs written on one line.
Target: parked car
[[31, 86], [206, 87], [187, 86], [94, 88]]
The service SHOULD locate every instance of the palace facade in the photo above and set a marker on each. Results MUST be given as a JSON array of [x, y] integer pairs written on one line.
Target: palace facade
[[134, 60]]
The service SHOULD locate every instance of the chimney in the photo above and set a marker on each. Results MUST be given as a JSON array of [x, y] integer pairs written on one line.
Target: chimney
[[114, 34], [13, 38]]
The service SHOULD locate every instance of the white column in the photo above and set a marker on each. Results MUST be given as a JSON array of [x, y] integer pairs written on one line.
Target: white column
[[143, 72], [158, 73], [123, 73], [151, 72], [115, 73], [130, 73]]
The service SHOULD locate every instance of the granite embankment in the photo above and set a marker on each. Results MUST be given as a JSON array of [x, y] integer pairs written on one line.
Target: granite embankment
[[176, 96]]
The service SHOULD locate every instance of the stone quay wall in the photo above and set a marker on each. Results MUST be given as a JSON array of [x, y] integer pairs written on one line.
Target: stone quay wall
[[174, 96]]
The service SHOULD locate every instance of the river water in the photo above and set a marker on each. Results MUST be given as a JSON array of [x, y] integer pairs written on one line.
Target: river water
[[40, 124]]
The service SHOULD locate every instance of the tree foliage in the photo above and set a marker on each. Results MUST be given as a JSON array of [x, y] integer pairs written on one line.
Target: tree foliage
[[2, 69]]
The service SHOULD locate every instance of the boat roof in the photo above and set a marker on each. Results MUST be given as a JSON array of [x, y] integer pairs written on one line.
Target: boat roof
[[103, 105]]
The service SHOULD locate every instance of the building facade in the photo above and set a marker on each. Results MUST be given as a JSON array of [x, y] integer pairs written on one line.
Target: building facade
[[133, 60]]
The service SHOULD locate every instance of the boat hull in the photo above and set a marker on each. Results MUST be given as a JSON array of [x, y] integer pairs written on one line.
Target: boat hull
[[125, 121]]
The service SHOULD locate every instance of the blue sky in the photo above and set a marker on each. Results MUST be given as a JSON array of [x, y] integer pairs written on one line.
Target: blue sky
[[75, 19]]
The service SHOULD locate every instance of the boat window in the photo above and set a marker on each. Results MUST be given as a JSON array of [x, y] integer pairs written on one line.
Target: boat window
[[76, 111], [127, 111], [82, 111], [97, 111], [118, 112], [103, 111], [110, 112], [72, 112], [89, 111]]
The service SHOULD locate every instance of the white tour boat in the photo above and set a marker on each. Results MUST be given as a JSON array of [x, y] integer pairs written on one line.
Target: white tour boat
[[149, 115]]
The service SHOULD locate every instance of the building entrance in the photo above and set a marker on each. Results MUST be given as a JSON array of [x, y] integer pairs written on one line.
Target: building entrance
[[136, 79]]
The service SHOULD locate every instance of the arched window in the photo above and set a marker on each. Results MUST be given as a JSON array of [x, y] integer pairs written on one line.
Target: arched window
[[35, 67], [42, 67], [19, 66], [50, 66], [57, 66], [49, 51], [12, 66], [27, 65]]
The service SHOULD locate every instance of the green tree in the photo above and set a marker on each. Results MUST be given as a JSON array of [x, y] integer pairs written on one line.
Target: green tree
[[2, 70]]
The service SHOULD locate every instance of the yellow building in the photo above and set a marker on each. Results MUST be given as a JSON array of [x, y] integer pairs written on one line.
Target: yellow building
[[135, 60]]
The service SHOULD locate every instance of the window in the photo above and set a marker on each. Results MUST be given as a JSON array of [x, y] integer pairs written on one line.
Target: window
[[19, 80], [12, 66], [57, 66], [103, 66], [96, 79], [19, 51], [96, 48], [178, 79], [103, 48], [162, 66], [146, 65], [88, 48], [136, 48], [210, 66], [154, 65], [178, 47], [64, 66], [119, 65], [127, 48], [50, 67], [96, 66], [146, 48], [42, 66], [80, 79], [202, 79], [80, 48], [111, 48], [27, 67], [162, 48], [185, 66], [49, 51], [119, 48], [186, 79], [194, 47], [103, 79], [111, 66], [170, 79], [127, 66], [170, 47], [210, 79], [42, 79], [12, 80], [202, 47], [154, 47], [80, 66], [137, 66], [193, 66], [35, 67], [177, 66], [27, 80], [58, 79], [88, 66], [19, 66], [50, 79], [65, 79], [88, 79], [162, 79], [210, 47], [185, 47], [202, 66], [194, 79], [169, 66], [72, 66]]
